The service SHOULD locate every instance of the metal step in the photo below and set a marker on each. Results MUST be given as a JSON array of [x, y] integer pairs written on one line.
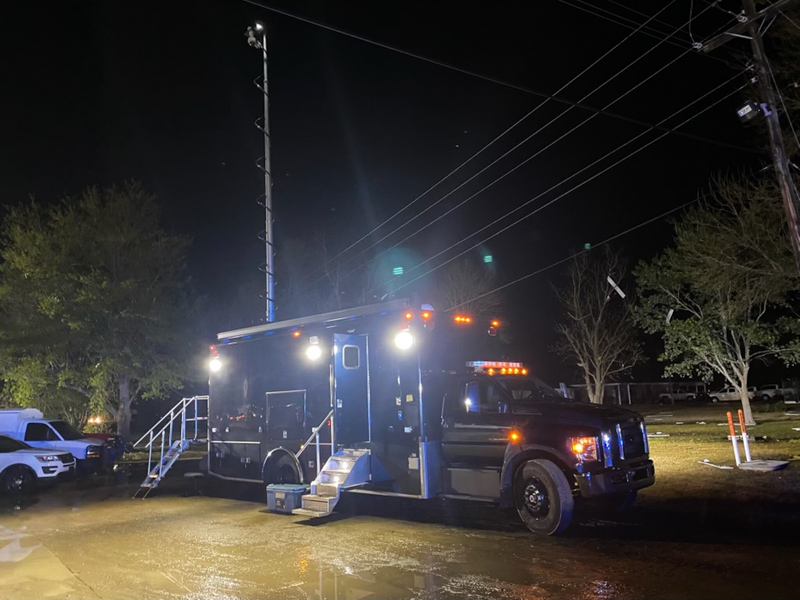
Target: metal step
[[320, 504], [327, 489], [309, 513]]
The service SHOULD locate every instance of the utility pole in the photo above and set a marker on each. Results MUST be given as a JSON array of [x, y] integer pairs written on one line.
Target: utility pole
[[751, 24], [266, 199]]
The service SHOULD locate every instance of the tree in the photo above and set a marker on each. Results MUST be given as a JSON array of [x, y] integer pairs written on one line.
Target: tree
[[598, 332], [94, 298], [459, 285], [724, 296]]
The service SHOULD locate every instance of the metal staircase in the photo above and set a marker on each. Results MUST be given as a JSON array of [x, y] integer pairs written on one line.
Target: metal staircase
[[348, 467], [172, 437]]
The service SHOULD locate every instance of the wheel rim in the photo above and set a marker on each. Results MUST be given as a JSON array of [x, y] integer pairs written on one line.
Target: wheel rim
[[17, 483], [536, 498]]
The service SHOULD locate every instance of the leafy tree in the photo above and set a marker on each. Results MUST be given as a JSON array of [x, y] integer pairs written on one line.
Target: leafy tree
[[724, 296], [94, 298], [598, 332]]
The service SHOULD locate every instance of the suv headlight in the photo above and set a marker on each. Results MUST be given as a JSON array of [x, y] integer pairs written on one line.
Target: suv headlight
[[48, 458], [583, 448]]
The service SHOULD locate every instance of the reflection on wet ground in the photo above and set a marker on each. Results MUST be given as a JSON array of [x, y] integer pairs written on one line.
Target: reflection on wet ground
[[98, 543]]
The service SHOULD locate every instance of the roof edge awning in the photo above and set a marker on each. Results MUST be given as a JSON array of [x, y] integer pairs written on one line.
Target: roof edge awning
[[337, 315]]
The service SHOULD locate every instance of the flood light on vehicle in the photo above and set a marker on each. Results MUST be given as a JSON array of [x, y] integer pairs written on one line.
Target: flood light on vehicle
[[404, 340], [583, 448], [313, 352], [214, 365], [492, 367]]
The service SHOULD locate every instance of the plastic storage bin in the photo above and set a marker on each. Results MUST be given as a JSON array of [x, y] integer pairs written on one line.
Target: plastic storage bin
[[284, 497]]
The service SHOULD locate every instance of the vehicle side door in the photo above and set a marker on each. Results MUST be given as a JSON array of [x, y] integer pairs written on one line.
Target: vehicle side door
[[475, 424], [41, 435]]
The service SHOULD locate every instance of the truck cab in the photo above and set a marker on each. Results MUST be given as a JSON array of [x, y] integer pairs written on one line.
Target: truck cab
[[507, 436], [29, 426]]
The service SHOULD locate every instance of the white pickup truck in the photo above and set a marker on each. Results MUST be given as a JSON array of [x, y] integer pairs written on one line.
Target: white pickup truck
[[730, 394], [773, 391], [29, 425]]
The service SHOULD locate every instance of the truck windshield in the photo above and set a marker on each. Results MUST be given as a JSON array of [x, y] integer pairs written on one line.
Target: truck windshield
[[531, 390], [65, 430]]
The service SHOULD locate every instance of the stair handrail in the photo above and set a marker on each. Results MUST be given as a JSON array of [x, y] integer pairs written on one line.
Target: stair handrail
[[172, 416], [315, 435]]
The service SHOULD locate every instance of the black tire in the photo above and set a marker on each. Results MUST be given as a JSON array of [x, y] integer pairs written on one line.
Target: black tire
[[714, 399], [281, 470], [543, 497], [18, 480]]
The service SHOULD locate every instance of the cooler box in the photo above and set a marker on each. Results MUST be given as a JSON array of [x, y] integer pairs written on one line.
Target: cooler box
[[284, 497]]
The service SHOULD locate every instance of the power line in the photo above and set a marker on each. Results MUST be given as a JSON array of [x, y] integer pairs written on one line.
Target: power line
[[612, 17], [531, 112], [563, 260], [603, 84], [581, 184], [638, 12], [477, 75], [783, 104], [788, 18], [524, 162]]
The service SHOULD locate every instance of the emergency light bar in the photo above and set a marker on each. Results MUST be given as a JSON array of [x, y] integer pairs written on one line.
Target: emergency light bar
[[490, 367]]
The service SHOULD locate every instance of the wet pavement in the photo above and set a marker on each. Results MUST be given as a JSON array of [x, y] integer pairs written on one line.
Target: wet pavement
[[99, 543]]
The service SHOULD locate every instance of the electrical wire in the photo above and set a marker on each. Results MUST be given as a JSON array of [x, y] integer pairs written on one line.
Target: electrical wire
[[464, 71], [626, 21], [524, 162], [678, 44], [788, 18], [530, 113], [553, 120], [568, 258], [783, 104], [557, 198]]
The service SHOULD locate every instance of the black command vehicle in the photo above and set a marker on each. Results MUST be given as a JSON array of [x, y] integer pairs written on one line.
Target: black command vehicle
[[394, 400]]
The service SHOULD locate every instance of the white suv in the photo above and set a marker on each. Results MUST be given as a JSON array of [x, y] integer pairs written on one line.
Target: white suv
[[23, 467]]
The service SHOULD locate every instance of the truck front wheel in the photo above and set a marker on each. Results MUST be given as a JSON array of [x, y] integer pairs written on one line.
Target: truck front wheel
[[543, 497]]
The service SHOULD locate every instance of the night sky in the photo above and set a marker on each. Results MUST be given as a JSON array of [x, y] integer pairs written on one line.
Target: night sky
[[97, 92]]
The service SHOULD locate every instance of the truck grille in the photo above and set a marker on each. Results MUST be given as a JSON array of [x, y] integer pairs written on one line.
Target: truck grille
[[631, 440]]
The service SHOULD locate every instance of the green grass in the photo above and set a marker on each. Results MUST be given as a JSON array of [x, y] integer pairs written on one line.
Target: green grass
[[679, 473]]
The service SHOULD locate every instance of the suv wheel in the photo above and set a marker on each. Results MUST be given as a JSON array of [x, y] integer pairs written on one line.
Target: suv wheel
[[714, 399], [18, 480], [543, 497]]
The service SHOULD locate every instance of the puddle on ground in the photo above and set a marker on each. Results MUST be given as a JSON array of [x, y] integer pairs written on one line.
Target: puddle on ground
[[221, 548]]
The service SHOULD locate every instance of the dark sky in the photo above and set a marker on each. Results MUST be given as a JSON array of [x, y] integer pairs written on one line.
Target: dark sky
[[96, 92]]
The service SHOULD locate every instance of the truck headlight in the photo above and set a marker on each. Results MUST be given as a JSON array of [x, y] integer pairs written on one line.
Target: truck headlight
[[48, 458], [583, 448], [93, 452]]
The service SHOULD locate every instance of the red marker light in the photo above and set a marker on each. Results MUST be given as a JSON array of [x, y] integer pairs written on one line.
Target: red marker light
[[514, 436], [495, 323], [296, 333], [409, 315], [426, 315]]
